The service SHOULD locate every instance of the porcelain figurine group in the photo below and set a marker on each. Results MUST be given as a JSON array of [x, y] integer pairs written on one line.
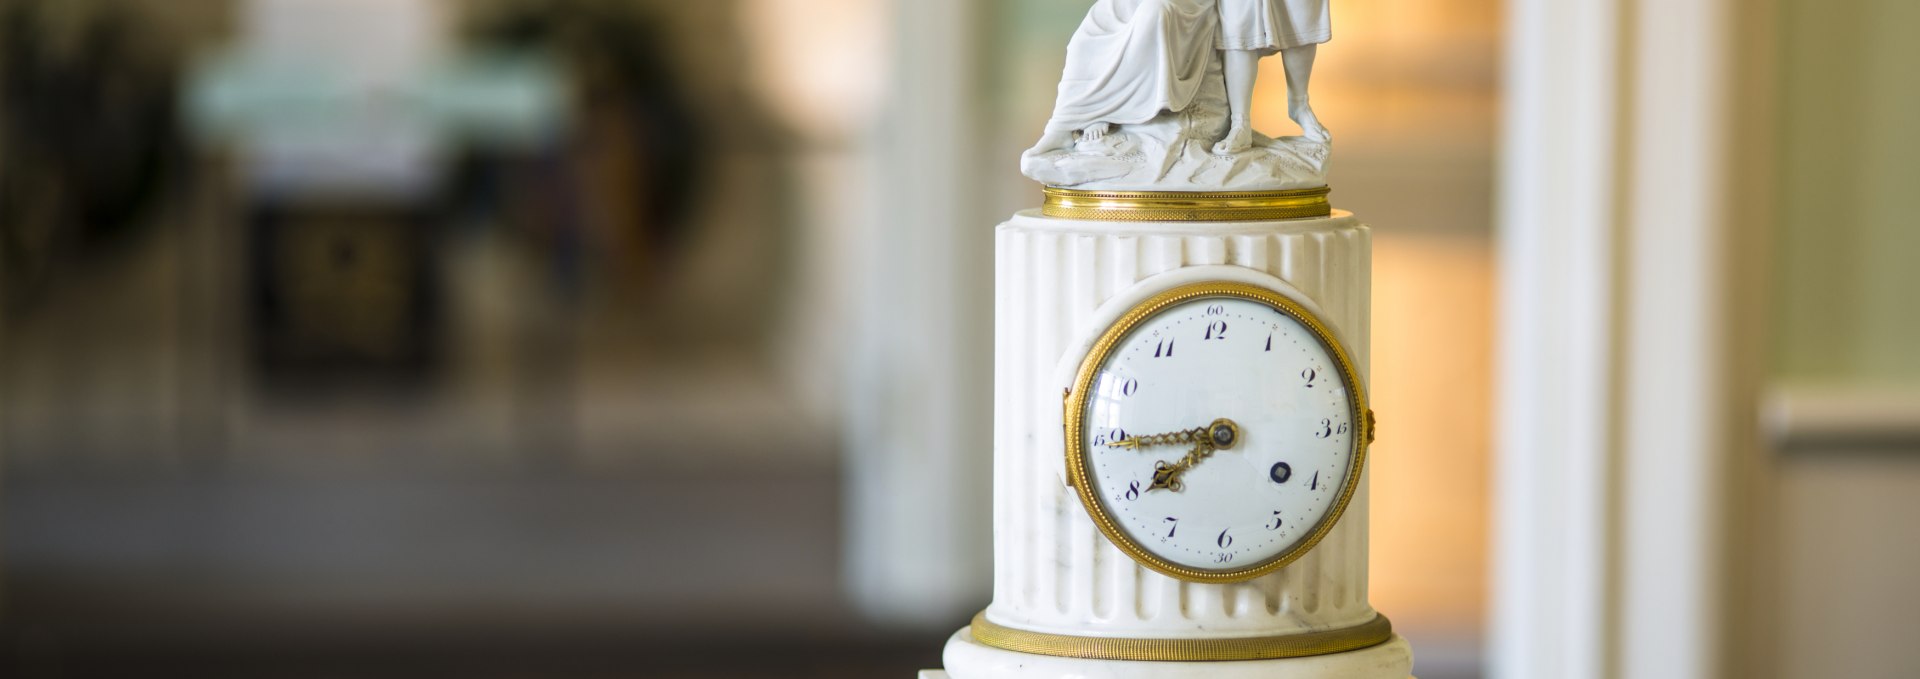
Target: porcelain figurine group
[[1157, 94]]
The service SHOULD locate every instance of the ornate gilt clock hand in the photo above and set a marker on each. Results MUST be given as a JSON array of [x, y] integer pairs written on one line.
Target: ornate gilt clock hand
[[1220, 435], [1169, 438], [1166, 476]]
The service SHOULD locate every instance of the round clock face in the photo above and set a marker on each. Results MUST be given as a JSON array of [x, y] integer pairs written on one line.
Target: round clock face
[[1216, 432]]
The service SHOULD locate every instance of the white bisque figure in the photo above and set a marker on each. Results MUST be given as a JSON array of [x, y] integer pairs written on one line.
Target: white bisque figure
[[1157, 95], [1252, 29]]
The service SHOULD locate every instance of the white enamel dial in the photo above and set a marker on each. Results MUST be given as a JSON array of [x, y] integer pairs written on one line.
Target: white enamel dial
[[1219, 435]]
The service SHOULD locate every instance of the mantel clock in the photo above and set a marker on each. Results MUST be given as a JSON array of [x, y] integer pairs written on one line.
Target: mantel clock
[[1181, 358]]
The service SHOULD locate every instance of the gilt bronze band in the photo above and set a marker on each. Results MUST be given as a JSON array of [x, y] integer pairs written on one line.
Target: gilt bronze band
[[1157, 206], [1373, 633]]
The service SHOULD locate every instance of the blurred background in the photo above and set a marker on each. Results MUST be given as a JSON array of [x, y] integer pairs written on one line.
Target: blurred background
[[650, 338]]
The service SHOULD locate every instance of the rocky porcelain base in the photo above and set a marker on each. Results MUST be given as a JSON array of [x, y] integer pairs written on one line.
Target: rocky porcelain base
[[1135, 161], [968, 659]]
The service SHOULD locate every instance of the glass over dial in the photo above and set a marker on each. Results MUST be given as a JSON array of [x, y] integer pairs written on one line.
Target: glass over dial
[[1219, 434]]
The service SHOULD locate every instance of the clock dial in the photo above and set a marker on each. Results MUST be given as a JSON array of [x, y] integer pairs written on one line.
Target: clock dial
[[1220, 434]]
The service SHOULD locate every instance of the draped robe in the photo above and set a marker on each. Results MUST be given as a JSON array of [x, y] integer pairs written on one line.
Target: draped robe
[[1131, 60], [1268, 26]]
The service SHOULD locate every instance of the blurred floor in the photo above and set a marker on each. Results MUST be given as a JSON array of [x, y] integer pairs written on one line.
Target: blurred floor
[[599, 501], [663, 577], [558, 654]]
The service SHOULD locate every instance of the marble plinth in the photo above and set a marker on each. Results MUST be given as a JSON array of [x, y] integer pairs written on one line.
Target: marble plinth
[[967, 659]]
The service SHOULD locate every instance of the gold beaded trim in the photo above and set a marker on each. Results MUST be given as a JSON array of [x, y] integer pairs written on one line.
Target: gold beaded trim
[[1077, 399], [1373, 633], [1174, 206]]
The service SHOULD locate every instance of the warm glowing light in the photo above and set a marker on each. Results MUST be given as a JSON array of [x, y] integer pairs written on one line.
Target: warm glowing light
[[820, 63], [1432, 355]]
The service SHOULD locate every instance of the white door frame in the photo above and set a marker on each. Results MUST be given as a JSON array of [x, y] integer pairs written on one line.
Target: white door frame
[[920, 411], [1616, 305]]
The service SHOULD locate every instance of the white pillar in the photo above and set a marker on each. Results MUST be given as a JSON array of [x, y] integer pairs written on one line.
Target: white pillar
[[1610, 508], [919, 431]]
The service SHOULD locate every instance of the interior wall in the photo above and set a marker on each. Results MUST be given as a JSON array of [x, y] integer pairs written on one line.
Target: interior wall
[[1835, 549], [1849, 157], [188, 23], [1845, 553]]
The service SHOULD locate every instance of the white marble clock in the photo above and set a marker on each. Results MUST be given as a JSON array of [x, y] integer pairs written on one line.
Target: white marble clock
[[1181, 333], [1113, 369]]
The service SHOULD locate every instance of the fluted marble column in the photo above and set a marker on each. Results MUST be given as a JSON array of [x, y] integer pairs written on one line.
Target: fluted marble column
[[1053, 570]]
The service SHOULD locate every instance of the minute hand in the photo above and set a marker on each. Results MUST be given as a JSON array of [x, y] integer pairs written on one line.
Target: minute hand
[[1193, 435], [1220, 435]]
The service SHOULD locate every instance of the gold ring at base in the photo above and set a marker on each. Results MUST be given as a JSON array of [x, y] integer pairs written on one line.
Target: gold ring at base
[[1373, 633], [1172, 206]]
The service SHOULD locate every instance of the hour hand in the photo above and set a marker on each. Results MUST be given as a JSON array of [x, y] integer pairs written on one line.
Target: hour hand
[[1167, 477]]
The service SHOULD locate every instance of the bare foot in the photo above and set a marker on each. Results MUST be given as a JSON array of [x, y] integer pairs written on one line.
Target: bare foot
[[1239, 139], [1095, 132], [1050, 142], [1310, 126]]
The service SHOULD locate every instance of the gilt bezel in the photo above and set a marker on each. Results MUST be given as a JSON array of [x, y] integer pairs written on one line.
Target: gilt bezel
[[1077, 402]]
